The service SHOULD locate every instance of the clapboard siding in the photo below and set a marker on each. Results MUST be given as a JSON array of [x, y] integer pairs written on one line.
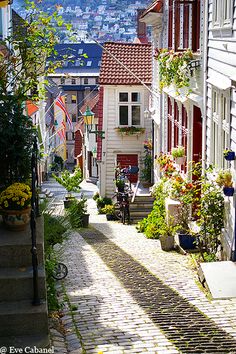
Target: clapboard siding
[[116, 143], [221, 63]]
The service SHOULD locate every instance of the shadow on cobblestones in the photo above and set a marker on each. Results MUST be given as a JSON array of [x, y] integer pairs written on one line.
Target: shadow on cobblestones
[[83, 318], [181, 322]]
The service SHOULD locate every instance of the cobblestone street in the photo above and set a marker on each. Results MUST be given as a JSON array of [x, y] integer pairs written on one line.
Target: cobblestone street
[[125, 295]]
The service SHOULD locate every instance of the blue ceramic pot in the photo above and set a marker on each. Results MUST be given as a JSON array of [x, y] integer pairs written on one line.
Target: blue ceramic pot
[[228, 191], [187, 242], [230, 156]]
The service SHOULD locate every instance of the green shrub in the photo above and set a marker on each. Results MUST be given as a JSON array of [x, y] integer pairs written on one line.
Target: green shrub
[[108, 210], [102, 201], [150, 226], [76, 211], [54, 233]]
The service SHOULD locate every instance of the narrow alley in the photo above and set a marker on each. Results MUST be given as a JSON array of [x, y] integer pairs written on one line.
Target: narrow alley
[[125, 295]]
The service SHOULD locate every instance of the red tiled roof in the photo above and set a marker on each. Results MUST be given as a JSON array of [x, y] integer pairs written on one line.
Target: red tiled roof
[[156, 6], [137, 57]]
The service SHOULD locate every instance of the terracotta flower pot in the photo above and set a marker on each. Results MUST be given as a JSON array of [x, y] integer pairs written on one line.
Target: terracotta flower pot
[[16, 220]]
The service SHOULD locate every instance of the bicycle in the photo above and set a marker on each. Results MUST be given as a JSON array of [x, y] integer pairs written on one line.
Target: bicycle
[[122, 211]]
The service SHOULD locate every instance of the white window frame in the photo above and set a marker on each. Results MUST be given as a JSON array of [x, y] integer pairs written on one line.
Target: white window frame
[[129, 103], [220, 126], [222, 15]]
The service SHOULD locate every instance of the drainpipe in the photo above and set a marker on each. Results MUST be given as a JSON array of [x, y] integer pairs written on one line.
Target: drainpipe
[[205, 60]]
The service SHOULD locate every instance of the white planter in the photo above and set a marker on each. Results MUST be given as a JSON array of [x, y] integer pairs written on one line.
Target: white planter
[[180, 160]]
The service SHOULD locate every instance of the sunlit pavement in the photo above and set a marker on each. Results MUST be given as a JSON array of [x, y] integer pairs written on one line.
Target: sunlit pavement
[[106, 317]]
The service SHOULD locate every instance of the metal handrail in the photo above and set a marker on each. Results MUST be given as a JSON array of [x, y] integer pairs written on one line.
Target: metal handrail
[[135, 191], [34, 214]]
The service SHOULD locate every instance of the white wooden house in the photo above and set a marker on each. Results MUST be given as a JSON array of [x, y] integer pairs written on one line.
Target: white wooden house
[[220, 100], [123, 100], [177, 26]]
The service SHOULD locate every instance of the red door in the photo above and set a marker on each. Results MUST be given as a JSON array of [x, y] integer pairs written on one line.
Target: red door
[[126, 161], [197, 134]]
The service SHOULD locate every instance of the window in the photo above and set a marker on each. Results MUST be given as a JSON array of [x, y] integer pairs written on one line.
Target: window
[[73, 117], [73, 81], [62, 81], [220, 126], [89, 63], [222, 15], [86, 81], [129, 108], [73, 99]]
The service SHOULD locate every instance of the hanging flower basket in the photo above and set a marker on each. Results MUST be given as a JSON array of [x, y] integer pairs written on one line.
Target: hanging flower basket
[[174, 67], [130, 130]]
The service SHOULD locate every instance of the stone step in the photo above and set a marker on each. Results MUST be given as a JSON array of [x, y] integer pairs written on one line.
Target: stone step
[[15, 247], [141, 206], [31, 341], [17, 283], [22, 318], [143, 199]]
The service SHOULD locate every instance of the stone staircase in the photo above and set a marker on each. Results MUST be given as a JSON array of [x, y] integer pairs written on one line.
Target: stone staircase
[[22, 324], [141, 207]]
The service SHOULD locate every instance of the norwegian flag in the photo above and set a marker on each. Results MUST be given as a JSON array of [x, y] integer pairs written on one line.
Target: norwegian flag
[[59, 102], [61, 133]]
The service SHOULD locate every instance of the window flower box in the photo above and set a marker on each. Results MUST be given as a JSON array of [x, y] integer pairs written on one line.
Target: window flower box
[[130, 130]]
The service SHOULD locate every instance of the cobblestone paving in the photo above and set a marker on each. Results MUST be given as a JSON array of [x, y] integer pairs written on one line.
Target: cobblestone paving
[[183, 324], [107, 316]]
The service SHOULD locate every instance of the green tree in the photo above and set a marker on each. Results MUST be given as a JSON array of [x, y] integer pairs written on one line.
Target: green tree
[[23, 57]]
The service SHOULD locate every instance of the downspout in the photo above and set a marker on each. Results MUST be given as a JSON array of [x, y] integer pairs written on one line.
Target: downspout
[[205, 60]]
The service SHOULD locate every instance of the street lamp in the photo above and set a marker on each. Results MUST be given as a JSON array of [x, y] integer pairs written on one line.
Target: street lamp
[[89, 120]]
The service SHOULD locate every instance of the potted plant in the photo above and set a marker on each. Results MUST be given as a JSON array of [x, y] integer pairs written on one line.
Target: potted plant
[[174, 68], [166, 164], [101, 202], [147, 169], [120, 184], [71, 182], [15, 207], [210, 216], [167, 232], [229, 154], [77, 213], [224, 179], [185, 192], [178, 153], [109, 210]]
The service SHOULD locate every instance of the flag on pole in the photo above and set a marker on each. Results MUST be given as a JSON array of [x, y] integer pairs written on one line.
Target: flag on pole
[[59, 102]]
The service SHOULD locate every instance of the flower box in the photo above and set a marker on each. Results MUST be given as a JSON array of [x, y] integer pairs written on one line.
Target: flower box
[[130, 130]]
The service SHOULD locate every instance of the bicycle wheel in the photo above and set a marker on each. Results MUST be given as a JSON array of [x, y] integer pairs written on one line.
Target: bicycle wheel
[[60, 271], [123, 214], [118, 213]]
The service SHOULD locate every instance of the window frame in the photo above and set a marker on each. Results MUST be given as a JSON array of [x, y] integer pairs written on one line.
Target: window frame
[[129, 103], [220, 126], [219, 22]]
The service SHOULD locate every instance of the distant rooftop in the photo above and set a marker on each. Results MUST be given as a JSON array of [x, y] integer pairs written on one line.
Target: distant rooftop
[[82, 57], [137, 57]]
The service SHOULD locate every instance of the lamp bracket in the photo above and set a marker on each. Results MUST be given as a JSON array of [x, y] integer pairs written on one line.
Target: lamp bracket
[[101, 133]]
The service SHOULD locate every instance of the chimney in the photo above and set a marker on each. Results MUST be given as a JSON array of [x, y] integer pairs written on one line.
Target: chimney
[[141, 28]]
